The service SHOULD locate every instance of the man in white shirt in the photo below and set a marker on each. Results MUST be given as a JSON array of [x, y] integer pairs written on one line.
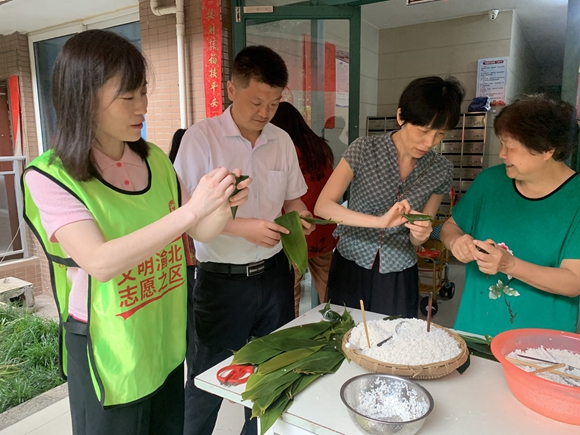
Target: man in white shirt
[[244, 286]]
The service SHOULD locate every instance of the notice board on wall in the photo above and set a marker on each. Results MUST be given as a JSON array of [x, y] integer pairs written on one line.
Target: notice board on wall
[[492, 79]]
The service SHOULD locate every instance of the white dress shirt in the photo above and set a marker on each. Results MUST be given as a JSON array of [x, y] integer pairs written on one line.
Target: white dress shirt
[[272, 163]]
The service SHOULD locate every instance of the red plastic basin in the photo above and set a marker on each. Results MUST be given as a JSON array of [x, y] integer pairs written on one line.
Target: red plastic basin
[[551, 399]]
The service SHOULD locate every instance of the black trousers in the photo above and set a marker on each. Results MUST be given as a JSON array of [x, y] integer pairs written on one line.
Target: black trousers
[[159, 414], [190, 335], [394, 293], [228, 310]]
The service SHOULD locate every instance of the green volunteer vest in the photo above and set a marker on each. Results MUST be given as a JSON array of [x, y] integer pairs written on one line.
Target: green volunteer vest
[[136, 321]]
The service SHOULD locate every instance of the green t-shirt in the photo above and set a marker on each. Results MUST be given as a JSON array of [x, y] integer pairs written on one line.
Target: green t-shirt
[[542, 231]]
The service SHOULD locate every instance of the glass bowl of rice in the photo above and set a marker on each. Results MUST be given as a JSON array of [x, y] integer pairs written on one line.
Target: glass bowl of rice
[[381, 404]]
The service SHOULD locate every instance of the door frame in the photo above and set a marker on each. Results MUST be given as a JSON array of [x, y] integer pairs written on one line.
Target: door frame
[[303, 12]]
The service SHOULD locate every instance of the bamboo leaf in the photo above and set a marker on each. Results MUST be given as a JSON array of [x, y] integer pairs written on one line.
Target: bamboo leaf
[[273, 413], [262, 349], [294, 244], [322, 364], [479, 346], [255, 352], [265, 401], [236, 190], [310, 330], [301, 384], [286, 359], [417, 217], [267, 388], [318, 221], [258, 380]]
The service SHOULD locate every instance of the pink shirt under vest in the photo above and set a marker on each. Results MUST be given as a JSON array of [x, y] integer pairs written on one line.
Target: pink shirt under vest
[[59, 208]]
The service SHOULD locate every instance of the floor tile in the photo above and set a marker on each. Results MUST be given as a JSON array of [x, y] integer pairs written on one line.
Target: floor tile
[[58, 412]]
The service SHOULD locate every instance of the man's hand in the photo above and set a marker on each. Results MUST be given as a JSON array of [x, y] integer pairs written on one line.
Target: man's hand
[[307, 227], [262, 232]]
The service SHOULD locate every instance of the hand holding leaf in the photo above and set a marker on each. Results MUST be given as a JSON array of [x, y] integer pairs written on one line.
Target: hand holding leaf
[[498, 260], [394, 217], [294, 243], [236, 190]]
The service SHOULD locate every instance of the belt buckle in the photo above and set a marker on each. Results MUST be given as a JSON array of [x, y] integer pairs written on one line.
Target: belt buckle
[[255, 268]]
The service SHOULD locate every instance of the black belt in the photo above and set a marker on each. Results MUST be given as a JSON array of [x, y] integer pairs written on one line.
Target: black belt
[[249, 269]]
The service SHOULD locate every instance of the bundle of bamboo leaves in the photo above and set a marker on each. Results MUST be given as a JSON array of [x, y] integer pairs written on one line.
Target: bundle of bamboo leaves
[[288, 361]]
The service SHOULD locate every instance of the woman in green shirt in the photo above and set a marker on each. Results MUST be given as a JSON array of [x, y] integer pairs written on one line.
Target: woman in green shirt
[[518, 226]]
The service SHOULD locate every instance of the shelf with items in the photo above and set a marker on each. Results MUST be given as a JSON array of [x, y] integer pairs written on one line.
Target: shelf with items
[[463, 146]]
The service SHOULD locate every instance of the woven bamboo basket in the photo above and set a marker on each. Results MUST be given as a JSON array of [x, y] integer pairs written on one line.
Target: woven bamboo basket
[[427, 371]]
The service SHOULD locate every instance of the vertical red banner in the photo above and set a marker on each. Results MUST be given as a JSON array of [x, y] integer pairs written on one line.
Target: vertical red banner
[[212, 56], [14, 92], [329, 84]]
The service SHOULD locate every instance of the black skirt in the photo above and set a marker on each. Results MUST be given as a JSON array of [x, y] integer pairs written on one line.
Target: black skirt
[[393, 293]]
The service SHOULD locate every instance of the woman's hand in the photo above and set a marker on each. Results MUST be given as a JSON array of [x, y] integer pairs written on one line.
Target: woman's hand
[[420, 230], [496, 260], [212, 192], [463, 248], [393, 217], [243, 192]]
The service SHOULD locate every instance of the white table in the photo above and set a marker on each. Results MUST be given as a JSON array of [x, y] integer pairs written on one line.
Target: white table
[[477, 402]]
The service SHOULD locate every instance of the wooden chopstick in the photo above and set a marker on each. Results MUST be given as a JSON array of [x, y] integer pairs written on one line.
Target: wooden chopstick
[[364, 319], [549, 368], [536, 366], [429, 307]]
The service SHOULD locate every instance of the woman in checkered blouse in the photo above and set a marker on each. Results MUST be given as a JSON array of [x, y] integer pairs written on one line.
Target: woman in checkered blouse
[[375, 257]]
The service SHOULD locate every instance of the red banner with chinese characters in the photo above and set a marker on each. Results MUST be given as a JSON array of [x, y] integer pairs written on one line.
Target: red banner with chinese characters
[[212, 56]]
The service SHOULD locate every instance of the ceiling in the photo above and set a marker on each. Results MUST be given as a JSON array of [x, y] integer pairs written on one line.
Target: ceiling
[[543, 21]]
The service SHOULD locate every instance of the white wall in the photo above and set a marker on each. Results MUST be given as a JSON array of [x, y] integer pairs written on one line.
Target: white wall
[[524, 77], [449, 47], [369, 74]]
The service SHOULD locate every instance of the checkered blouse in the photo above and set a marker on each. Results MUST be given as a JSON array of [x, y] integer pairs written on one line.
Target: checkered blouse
[[375, 187]]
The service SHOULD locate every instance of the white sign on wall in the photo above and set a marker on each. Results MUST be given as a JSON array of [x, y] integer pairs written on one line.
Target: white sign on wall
[[492, 79]]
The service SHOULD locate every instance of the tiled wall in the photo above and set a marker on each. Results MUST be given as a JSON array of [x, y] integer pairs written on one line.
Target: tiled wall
[[159, 43], [15, 60]]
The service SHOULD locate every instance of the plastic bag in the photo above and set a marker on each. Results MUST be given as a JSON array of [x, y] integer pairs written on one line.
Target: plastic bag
[[479, 104]]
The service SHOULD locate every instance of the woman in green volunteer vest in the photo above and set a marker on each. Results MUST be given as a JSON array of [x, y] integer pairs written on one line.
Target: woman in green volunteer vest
[[518, 225], [105, 206]]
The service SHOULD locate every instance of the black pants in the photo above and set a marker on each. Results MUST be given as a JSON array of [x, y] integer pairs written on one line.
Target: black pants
[[190, 336], [394, 293], [228, 310], [159, 414]]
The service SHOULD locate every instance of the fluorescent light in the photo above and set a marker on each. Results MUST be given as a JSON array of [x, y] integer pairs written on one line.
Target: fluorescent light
[[414, 2]]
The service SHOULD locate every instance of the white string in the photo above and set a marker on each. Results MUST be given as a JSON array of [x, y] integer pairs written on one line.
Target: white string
[[12, 242]]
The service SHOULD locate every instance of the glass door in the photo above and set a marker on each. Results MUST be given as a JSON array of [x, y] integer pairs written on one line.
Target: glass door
[[317, 45]]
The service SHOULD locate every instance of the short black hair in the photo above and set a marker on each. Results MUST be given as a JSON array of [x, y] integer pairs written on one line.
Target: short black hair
[[262, 64], [86, 62], [432, 102], [541, 124], [176, 143]]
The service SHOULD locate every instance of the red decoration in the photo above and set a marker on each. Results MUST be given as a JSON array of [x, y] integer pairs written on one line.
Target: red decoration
[[14, 92], [312, 85], [212, 56]]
